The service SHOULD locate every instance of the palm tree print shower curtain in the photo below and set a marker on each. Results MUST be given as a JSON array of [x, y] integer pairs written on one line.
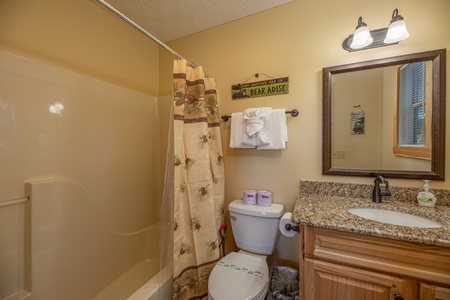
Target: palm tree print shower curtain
[[198, 179]]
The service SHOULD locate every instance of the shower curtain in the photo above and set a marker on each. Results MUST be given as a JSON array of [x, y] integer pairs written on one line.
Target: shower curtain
[[198, 181]]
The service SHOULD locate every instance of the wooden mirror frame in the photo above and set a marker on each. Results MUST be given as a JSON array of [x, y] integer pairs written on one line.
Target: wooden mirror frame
[[438, 58]]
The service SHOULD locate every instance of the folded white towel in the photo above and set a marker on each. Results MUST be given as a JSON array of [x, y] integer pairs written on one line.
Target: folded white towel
[[258, 139], [275, 128], [254, 119], [238, 136]]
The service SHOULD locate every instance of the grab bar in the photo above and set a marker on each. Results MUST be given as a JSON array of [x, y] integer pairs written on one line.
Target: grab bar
[[14, 201], [293, 113]]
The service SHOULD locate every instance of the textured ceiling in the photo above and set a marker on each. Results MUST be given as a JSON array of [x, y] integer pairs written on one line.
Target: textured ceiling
[[168, 20]]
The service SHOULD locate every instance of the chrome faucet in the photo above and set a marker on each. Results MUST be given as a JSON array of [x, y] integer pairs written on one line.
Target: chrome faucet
[[377, 192]]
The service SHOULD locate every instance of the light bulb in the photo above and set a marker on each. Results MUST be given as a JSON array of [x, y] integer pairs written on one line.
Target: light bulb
[[362, 37]]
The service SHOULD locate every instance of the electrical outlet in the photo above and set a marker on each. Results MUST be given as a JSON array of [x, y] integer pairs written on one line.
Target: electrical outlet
[[339, 154]]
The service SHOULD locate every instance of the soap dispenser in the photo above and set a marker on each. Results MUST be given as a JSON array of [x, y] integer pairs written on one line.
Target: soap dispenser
[[425, 197]]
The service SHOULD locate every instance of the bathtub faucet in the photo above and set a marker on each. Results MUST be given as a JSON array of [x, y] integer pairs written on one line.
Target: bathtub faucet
[[377, 192]]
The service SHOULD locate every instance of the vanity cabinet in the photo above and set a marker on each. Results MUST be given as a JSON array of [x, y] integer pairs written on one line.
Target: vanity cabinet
[[431, 292], [338, 265]]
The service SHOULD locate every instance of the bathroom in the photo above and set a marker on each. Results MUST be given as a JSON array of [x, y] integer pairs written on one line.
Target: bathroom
[[297, 39]]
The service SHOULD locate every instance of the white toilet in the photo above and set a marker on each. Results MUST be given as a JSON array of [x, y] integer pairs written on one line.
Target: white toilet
[[244, 275]]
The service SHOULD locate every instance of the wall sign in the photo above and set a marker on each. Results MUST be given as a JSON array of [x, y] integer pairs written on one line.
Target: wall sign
[[358, 121], [268, 87]]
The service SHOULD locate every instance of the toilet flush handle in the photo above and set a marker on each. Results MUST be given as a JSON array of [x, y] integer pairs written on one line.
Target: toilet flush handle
[[233, 217]]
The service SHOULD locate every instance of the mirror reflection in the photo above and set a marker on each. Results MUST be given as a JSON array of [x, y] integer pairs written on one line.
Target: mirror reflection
[[384, 117]]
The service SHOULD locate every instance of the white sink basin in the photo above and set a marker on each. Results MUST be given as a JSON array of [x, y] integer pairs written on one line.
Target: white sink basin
[[394, 217]]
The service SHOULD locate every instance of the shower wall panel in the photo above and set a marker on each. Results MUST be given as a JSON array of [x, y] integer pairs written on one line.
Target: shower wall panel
[[55, 123]]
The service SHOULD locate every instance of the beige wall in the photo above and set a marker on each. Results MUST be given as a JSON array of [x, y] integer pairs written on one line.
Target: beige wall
[[298, 40], [295, 40], [83, 37]]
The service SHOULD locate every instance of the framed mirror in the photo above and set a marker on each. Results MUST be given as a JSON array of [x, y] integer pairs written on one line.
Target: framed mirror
[[364, 117]]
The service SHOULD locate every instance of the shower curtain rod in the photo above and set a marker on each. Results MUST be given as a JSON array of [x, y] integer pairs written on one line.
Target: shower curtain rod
[[142, 30]]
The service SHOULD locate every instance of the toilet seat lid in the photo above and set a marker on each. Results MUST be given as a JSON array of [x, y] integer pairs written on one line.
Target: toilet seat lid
[[238, 276]]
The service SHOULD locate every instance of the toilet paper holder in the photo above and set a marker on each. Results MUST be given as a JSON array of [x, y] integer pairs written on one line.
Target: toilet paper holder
[[290, 227]]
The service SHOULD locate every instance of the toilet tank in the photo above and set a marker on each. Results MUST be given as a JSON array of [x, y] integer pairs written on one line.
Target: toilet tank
[[255, 228]]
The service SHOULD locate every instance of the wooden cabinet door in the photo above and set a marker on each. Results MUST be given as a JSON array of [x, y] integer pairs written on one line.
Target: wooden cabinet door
[[326, 281], [433, 292]]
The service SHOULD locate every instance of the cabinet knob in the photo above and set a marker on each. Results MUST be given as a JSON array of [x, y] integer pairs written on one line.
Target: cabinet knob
[[398, 297]]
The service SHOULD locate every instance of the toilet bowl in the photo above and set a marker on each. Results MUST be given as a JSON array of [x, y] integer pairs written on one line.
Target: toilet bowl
[[244, 275]]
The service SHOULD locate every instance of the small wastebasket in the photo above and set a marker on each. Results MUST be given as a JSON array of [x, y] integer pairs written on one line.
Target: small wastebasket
[[284, 284]]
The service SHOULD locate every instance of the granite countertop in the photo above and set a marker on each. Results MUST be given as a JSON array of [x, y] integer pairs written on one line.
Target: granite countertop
[[324, 205]]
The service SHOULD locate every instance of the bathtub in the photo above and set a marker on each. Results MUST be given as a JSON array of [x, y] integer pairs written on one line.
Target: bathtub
[[159, 287], [86, 258]]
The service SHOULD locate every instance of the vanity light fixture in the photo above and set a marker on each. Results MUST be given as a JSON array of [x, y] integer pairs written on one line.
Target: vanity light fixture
[[56, 108], [361, 37], [365, 39], [397, 29]]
